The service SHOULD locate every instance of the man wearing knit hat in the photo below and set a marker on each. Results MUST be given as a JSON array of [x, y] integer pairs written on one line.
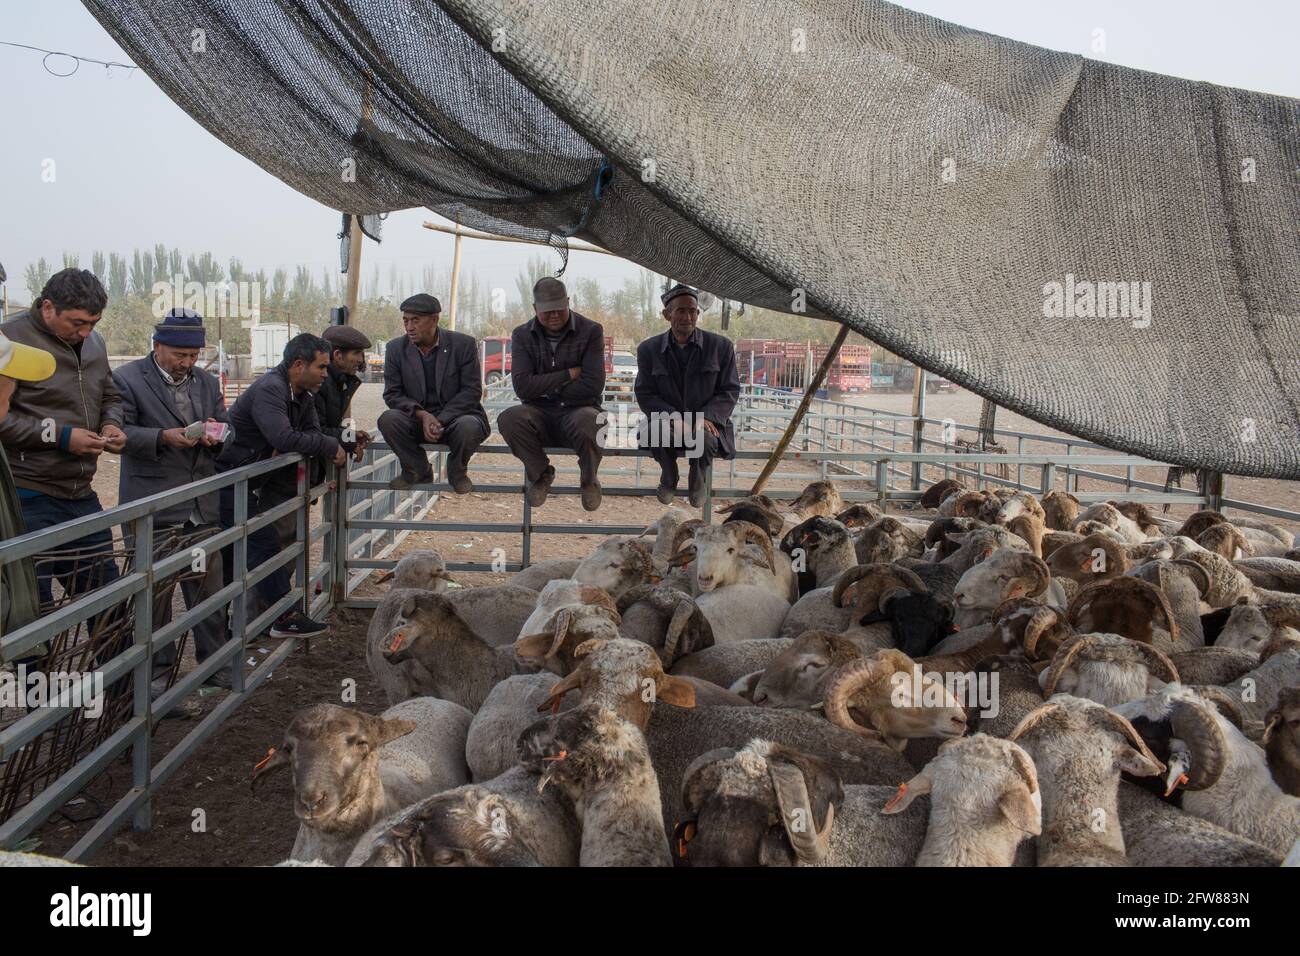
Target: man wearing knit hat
[[163, 394], [687, 376], [433, 390]]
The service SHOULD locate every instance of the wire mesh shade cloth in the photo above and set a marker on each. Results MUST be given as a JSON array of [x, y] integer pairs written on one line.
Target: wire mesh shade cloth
[[1109, 252]]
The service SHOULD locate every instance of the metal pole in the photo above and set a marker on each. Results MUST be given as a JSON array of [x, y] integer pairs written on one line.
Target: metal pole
[[918, 424], [143, 698], [793, 427], [239, 605]]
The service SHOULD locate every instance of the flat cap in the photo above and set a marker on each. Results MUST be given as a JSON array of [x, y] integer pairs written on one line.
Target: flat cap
[[421, 304], [675, 292], [345, 338], [550, 295]]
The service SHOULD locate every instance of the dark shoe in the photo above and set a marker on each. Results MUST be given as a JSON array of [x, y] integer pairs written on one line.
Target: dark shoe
[[665, 494], [297, 624], [220, 679], [540, 488], [406, 480], [696, 496], [461, 484], [591, 496]]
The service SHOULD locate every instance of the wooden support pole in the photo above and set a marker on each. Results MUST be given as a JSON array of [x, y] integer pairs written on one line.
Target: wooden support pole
[[355, 236], [455, 282], [799, 413]]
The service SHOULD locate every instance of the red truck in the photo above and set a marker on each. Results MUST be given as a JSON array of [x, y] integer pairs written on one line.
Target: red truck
[[787, 365], [496, 358]]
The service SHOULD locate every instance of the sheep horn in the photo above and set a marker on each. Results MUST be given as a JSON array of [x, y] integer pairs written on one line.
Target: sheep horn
[[1158, 663], [810, 844], [1106, 719], [683, 557], [677, 624], [697, 765], [385, 577], [1195, 725], [1063, 658], [843, 685], [1224, 704], [749, 531], [880, 576], [684, 530], [1032, 719], [1039, 624], [1042, 577]]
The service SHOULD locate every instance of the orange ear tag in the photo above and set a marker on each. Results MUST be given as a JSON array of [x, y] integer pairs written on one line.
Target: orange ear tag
[[397, 642], [263, 762], [893, 802]]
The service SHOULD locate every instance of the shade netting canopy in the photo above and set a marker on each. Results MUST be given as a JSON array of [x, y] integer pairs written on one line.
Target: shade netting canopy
[[1110, 252]]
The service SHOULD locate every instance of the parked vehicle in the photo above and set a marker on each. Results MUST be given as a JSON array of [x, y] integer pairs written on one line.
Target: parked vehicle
[[791, 364]]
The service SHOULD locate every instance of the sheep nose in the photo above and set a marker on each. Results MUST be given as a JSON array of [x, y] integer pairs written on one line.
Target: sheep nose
[[311, 800]]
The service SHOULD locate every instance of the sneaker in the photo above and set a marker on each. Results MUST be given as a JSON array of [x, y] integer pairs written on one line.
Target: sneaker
[[665, 494], [296, 624], [591, 496], [540, 488], [461, 484]]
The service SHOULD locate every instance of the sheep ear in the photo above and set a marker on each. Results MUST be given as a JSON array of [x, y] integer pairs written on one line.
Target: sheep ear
[[1132, 762], [274, 760], [675, 691], [1018, 806], [398, 647], [390, 730], [534, 645], [385, 577], [1269, 728], [409, 607], [907, 792]]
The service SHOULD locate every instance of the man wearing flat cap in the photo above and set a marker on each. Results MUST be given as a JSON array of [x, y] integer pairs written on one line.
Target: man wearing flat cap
[[557, 367], [687, 375], [163, 394], [334, 397], [433, 391]]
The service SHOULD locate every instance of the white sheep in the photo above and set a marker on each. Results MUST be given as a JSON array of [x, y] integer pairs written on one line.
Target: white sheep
[[351, 769]]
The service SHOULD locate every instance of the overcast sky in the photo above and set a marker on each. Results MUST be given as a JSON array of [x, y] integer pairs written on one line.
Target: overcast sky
[[133, 169]]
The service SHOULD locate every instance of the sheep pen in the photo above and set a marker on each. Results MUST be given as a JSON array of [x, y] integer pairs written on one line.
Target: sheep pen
[[258, 828]]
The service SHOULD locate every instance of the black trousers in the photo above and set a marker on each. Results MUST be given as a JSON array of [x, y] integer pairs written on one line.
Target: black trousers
[[528, 429], [699, 457], [405, 436]]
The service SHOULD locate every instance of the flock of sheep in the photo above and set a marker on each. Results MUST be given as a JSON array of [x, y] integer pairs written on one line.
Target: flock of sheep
[[990, 680]]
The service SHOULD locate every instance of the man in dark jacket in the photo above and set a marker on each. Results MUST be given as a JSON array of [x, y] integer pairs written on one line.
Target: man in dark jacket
[[162, 395], [687, 386], [334, 397], [19, 598], [277, 415], [557, 366], [56, 429], [433, 390]]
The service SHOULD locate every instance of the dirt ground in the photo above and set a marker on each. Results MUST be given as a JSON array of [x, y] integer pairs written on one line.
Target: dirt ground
[[245, 828]]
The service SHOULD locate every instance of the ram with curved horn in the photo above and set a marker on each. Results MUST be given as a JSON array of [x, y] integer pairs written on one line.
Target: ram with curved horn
[[1003, 575], [1107, 668], [1130, 606], [1079, 749], [885, 697], [1234, 787]]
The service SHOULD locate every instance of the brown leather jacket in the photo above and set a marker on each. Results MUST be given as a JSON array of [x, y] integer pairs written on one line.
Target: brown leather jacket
[[80, 394]]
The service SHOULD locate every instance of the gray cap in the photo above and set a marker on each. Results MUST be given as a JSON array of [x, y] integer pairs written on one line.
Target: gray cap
[[676, 291], [345, 338], [550, 295], [421, 304]]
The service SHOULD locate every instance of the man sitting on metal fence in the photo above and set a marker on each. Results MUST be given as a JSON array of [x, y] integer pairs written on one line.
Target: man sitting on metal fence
[[19, 598], [57, 428], [277, 415], [687, 386], [557, 367], [433, 390], [168, 405]]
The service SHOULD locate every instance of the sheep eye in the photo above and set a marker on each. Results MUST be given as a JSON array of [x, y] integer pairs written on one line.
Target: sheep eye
[[355, 741], [445, 857], [731, 551]]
